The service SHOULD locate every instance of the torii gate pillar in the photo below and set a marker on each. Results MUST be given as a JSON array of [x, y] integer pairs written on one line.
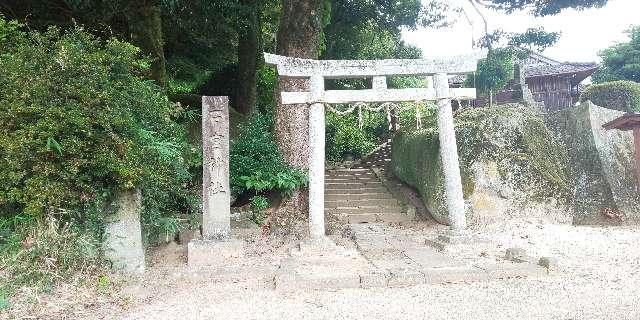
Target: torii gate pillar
[[316, 159], [449, 156]]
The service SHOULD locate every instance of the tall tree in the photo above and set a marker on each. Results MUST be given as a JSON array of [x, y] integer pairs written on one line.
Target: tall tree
[[298, 36], [248, 56], [144, 19], [621, 61]]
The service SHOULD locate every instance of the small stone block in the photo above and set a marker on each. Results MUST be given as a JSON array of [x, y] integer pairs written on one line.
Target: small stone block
[[445, 275], [293, 282], [213, 252], [374, 279], [514, 270], [405, 277], [515, 254], [548, 262]]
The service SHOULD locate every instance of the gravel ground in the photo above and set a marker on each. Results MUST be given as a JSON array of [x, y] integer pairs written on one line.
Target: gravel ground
[[599, 278]]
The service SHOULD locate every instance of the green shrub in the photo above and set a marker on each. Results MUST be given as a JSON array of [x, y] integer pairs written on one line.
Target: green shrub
[[78, 122], [344, 137], [256, 164], [616, 95], [259, 204]]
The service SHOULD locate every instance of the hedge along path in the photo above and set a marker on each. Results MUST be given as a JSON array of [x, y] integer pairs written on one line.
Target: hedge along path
[[437, 71]]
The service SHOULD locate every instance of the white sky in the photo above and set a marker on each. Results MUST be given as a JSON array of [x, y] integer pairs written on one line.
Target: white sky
[[584, 33]]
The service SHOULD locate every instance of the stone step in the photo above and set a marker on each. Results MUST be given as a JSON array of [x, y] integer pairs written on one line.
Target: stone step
[[352, 185], [367, 174], [363, 172], [373, 217], [350, 171], [351, 178], [380, 189], [358, 218], [392, 217], [365, 210], [369, 196], [357, 202]]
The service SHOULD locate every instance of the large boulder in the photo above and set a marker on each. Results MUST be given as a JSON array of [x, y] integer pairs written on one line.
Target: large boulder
[[511, 165], [602, 166]]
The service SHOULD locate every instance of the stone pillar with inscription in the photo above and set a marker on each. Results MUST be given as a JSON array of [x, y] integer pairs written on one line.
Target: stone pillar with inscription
[[216, 245]]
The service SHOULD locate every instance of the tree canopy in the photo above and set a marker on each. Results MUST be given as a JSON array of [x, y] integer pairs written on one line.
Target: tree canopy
[[621, 61]]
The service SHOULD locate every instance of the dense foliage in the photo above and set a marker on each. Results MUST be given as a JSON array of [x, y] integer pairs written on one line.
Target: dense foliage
[[345, 139], [79, 123], [255, 163], [616, 95], [493, 73], [78, 120], [621, 61]]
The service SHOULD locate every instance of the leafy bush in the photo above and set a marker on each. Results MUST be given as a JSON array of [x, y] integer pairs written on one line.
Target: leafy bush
[[78, 122], [259, 204], [256, 164], [344, 137], [616, 95]]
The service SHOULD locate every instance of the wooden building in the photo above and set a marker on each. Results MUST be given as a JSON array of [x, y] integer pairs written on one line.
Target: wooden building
[[554, 83]]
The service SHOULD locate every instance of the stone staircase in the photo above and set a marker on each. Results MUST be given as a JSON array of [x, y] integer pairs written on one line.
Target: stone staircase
[[357, 195]]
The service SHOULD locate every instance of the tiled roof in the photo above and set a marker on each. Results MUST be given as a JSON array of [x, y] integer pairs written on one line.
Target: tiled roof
[[538, 65]]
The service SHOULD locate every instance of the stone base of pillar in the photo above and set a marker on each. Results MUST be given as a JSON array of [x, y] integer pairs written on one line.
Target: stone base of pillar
[[213, 253]]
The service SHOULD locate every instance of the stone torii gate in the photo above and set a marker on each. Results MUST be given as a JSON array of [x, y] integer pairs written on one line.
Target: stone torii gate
[[438, 90]]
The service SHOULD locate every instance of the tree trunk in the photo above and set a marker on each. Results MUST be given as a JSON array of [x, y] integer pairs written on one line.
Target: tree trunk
[[298, 36], [248, 57], [144, 19]]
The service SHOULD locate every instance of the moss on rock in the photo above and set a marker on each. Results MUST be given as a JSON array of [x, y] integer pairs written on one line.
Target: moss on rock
[[508, 158]]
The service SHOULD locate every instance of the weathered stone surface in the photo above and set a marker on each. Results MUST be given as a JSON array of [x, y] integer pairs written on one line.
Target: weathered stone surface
[[429, 258], [297, 281], [375, 279], [602, 167], [213, 253], [123, 242], [296, 67], [513, 254], [456, 274], [548, 262], [449, 157], [511, 166], [405, 277], [216, 198], [512, 270]]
